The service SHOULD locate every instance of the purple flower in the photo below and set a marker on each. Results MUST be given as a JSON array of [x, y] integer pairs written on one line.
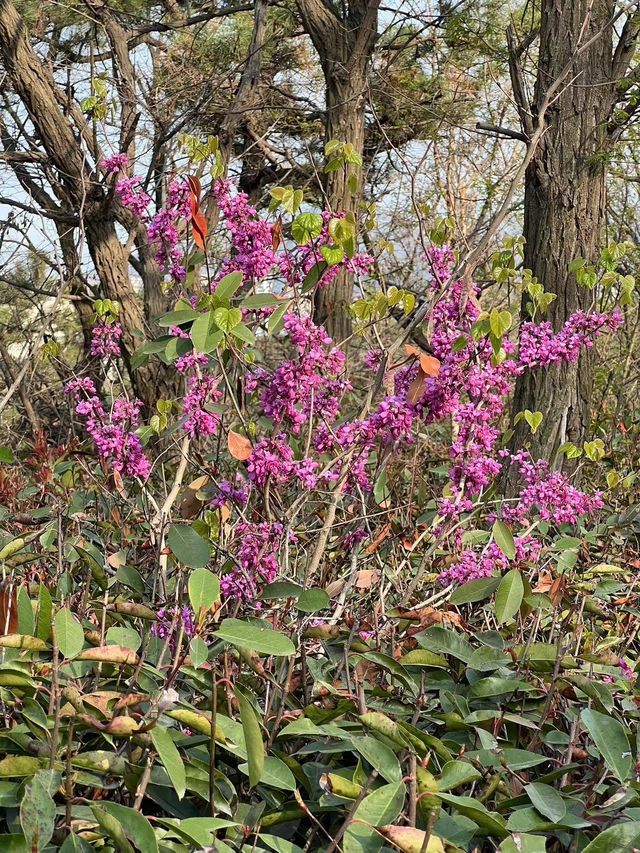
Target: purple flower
[[105, 339], [114, 164], [132, 196]]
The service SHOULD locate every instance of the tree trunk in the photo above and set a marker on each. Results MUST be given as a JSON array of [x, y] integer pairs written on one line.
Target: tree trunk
[[344, 43], [564, 207], [345, 96]]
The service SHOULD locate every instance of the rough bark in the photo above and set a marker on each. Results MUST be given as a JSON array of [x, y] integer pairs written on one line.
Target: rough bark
[[345, 45], [565, 205], [77, 187]]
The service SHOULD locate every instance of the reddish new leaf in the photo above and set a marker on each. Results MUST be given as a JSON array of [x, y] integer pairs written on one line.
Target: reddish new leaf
[[198, 219]]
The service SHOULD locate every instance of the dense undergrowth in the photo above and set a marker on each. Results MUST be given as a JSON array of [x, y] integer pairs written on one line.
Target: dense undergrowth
[[297, 607]]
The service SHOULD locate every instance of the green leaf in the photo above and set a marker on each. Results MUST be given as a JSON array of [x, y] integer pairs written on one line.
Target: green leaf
[[491, 822], [261, 639], [276, 774], [509, 596], [37, 813], [198, 651], [170, 758], [204, 335], [281, 589], [276, 320], [534, 419], [547, 801], [112, 827], [423, 657], [456, 773], [228, 285], [313, 276], [499, 322], [305, 227], [19, 765], [16, 844], [383, 805], [68, 633], [243, 334], [188, 547], [227, 318], [74, 844], [621, 838], [477, 590], [252, 737], [6, 456], [280, 845], [260, 300], [312, 600], [503, 538], [379, 756], [445, 641], [177, 318], [204, 589], [378, 808], [610, 739], [332, 254], [525, 843], [197, 831], [136, 827], [126, 637]]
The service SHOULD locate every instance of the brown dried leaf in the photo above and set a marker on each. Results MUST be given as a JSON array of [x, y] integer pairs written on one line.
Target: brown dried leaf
[[191, 504], [379, 538], [239, 446], [367, 578]]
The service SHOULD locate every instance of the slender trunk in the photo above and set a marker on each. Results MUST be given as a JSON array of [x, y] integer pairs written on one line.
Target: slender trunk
[[565, 205]]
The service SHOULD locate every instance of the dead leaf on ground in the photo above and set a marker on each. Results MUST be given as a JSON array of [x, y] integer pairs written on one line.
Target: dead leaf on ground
[[367, 578]]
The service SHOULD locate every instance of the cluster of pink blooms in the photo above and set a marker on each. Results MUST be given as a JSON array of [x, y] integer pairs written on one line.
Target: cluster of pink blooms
[[540, 346], [256, 556], [132, 196], [296, 265], [251, 236], [163, 232], [228, 493], [255, 243], [112, 432], [105, 339], [201, 391], [472, 565], [550, 494], [310, 385], [272, 460], [115, 164], [164, 626]]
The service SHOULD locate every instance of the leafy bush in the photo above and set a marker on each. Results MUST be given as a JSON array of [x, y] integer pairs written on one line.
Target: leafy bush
[[264, 620]]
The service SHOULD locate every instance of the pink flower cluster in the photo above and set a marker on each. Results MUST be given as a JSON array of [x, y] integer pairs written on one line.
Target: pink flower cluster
[[105, 339], [256, 558], [540, 346], [132, 196], [473, 565], [272, 460], [549, 494], [115, 164], [309, 385], [251, 236], [162, 230], [164, 627], [202, 390], [112, 432]]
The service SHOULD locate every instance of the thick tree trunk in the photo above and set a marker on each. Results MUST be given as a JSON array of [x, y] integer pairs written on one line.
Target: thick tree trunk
[[344, 43], [565, 207], [345, 94]]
